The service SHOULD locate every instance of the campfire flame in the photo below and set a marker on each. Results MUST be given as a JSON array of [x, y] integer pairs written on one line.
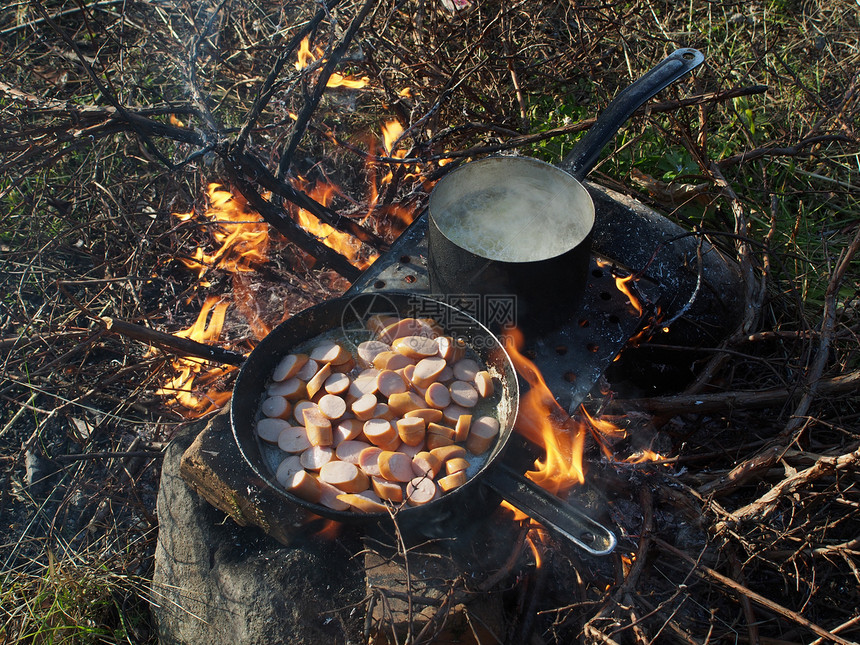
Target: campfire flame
[[545, 423], [242, 240], [348, 246], [305, 57], [622, 284], [188, 370], [240, 231]]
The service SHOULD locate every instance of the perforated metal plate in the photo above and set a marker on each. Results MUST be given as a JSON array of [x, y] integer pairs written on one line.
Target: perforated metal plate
[[571, 358]]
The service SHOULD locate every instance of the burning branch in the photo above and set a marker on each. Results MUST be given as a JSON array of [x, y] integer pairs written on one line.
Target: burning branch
[[312, 102], [178, 344]]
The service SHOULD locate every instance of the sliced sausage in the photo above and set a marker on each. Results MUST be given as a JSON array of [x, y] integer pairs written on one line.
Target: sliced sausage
[[482, 435], [316, 457], [427, 370], [289, 366], [337, 384], [452, 481], [346, 430], [329, 497], [380, 432], [411, 430], [406, 327], [437, 396], [389, 382], [368, 461], [287, 468], [383, 411], [307, 371], [453, 412], [343, 368], [445, 431], [292, 389], [362, 503], [363, 407], [450, 349], [269, 429], [300, 408], [350, 450], [446, 375], [395, 466], [415, 347], [484, 384], [401, 404], [434, 440], [276, 407], [421, 490], [303, 484], [465, 369], [377, 322], [318, 427], [463, 394], [455, 465], [428, 414], [316, 383], [345, 476], [406, 449], [406, 373], [426, 464], [370, 349], [449, 452], [293, 439], [329, 351], [391, 361], [332, 406], [461, 428], [387, 490], [364, 383]]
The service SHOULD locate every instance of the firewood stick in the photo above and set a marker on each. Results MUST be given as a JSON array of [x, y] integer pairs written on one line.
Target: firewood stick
[[183, 346], [848, 623], [313, 100], [768, 456], [706, 573], [746, 603], [764, 505], [289, 228], [254, 168], [707, 403]]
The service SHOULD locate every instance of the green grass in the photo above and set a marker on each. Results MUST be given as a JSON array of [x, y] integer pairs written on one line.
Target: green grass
[[69, 602]]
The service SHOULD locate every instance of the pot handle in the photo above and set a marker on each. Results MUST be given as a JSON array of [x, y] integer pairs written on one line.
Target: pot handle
[[549, 510], [587, 150]]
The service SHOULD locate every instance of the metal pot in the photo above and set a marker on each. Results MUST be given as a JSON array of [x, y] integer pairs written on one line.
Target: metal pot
[[518, 226], [344, 319]]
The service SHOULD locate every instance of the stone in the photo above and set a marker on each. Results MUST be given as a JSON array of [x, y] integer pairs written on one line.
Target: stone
[[219, 583]]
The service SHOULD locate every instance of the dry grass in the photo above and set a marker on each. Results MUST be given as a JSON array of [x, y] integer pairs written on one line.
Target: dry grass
[[87, 232]]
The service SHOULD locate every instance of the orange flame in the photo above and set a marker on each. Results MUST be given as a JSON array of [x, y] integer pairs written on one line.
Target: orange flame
[[179, 388], [545, 423], [644, 456], [391, 131], [621, 283], [242, 234], [623, 287], [343, 243], [305, 57]]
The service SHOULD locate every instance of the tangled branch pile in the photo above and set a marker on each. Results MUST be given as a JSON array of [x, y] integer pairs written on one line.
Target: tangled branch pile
[[116, 114]]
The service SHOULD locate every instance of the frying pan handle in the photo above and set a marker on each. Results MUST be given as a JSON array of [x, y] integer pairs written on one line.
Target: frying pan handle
[[587, 150], [548, 509]]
